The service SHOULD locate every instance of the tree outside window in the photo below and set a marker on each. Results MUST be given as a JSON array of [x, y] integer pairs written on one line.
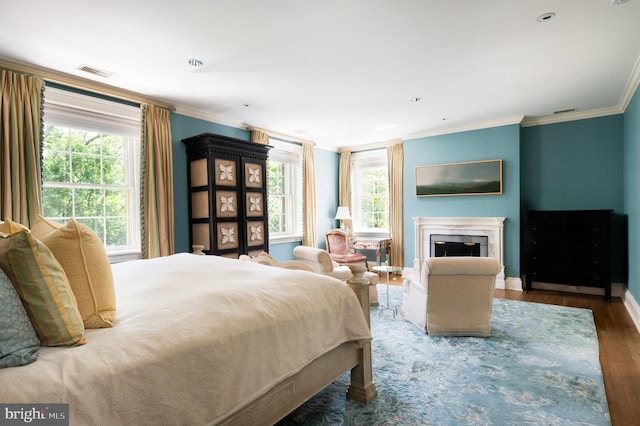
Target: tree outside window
[[370, 192], [85, 177], [285, 187]]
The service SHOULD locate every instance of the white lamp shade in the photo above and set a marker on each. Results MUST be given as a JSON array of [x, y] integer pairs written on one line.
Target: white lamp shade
[[343, 213]]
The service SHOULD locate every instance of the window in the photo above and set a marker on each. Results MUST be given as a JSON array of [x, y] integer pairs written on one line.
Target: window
[[90, 166], [370, 191], [284, 184]]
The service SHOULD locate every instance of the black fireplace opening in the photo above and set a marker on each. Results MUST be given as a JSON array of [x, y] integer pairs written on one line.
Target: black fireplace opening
[[459, 245], [448, 248]]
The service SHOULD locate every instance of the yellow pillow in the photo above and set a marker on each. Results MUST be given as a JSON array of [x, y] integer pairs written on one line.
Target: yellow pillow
[[9, 227], [84, 259], [44, 289], [44, 226]]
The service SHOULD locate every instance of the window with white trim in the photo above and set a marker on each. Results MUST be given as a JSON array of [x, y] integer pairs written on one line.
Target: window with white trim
[[90, 166], [370, 191], [285, 191]]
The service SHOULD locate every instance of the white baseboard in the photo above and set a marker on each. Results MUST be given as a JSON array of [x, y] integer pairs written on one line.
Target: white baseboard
[[617, 289], [632, 307], [512, 283]]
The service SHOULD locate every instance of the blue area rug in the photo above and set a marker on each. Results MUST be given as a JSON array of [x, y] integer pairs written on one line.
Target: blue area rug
[[539, 367]]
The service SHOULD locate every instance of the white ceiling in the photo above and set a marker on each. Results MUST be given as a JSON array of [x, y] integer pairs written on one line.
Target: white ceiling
[[341, 73]]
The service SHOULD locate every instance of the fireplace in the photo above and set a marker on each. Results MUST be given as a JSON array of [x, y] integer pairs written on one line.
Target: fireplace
[[449, 249], [458, 245], [486, 232]]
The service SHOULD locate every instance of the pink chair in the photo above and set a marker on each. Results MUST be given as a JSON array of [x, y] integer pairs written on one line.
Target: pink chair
[[340, 250]]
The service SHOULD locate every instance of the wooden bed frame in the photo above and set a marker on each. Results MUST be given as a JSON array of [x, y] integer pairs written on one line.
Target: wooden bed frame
[[294, 391]]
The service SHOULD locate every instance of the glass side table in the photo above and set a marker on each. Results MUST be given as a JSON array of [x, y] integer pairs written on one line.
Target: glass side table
[[388, 270]]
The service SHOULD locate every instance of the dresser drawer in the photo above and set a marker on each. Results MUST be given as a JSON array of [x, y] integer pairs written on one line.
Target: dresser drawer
[[568, 247]]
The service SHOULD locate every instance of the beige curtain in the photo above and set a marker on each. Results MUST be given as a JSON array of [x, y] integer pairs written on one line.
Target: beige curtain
[[309, 237], [258, 136], [156, 183], [20, 138], [345, 180], [396, 203]]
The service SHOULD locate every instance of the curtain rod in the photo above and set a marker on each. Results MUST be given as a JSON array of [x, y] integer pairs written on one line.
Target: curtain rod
[[75, 82]]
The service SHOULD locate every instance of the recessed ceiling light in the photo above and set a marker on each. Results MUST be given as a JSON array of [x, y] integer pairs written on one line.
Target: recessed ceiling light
[[546, 17], [195, 62]]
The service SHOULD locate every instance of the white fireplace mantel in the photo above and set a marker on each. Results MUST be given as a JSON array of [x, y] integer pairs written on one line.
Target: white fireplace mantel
[[492, 227]]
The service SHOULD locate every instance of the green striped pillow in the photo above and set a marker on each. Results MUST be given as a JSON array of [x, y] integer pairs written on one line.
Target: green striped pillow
[[19, 343], [44, 289]]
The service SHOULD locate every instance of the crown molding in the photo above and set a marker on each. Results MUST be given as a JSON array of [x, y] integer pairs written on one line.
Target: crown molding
[[623, 103], [631, 87], [278, 135], [208, 116], [97, 87], [571, 116], [369, 146], [80, 83], [466, 127]]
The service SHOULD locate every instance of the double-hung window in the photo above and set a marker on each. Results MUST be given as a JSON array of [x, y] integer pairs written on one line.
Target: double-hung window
[[370, 192], [90, 166], [285, 191]]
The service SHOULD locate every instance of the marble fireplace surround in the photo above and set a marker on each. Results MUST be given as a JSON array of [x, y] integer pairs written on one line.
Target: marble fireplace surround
[[491, 227]]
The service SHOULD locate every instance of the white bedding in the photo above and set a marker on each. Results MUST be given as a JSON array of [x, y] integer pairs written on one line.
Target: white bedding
[[195, 337]]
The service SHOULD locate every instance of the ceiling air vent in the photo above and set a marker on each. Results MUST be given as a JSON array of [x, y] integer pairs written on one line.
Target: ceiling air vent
[[95, 71], [564, 111]]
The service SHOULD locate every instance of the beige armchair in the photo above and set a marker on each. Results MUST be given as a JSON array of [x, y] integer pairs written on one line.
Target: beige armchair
[[320, 261], [451, 296], [266, 259]]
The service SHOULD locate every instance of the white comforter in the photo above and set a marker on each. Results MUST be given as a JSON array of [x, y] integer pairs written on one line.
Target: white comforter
[[195, 337]]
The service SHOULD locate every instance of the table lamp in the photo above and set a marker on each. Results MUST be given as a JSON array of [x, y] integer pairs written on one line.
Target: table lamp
[[343, 215]]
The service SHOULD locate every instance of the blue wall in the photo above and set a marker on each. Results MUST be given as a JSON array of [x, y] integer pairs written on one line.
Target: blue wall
[[486, 144], [327, 191], [327, 165], [183, 127], [583, 164], [577, 165], [573, 165], [631, 132]]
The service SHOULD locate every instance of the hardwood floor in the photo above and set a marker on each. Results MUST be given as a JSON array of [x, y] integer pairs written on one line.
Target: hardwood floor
[[619, 342]]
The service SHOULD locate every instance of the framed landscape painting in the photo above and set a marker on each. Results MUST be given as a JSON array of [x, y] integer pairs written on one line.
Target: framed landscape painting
[[469, 178]]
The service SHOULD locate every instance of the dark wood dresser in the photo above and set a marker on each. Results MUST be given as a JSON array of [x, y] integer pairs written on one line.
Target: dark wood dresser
[[227, 190], [571, 247]]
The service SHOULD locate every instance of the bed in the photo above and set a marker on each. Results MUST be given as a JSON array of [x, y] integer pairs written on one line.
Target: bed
[[206, 340]]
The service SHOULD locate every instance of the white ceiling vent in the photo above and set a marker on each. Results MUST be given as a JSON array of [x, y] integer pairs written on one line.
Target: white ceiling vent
[[95, 71]]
